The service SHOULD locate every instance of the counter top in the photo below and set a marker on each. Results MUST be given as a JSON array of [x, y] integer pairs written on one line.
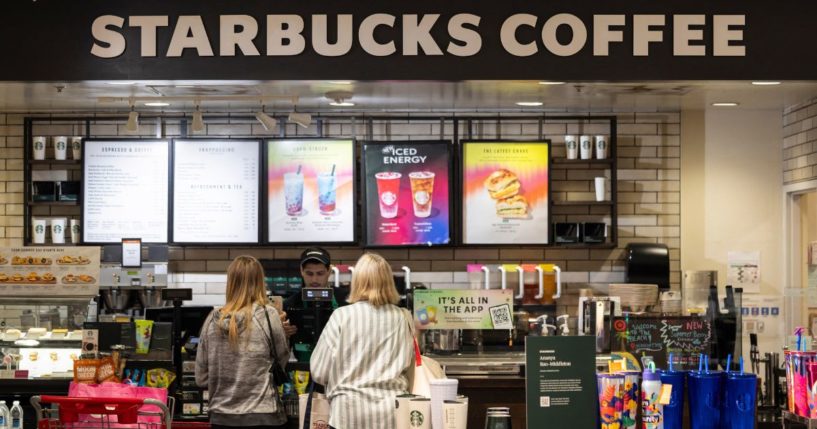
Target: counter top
[[482, 364]]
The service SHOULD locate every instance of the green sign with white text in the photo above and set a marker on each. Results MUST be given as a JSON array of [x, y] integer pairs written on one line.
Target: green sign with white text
[[463, 309]]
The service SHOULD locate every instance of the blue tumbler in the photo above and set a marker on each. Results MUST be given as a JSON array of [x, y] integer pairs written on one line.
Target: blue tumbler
[[705, 389], [738, 410], [674, 411]]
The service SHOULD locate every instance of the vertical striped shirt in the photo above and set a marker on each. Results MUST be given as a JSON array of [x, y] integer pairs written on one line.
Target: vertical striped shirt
[[363, 357]]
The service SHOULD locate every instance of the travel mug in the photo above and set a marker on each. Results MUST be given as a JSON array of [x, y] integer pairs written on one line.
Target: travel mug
[[705, 389], [38, 147], [60, 148], [674, 411], [601, 188], [38, 227], [632, 393], [601, 147], [497, 420], [58, 230], [611, 399], [74, 231], [739, 401], [76, 147], [420, 413], [402, 412], [571, 147], [585, 147], [455, 415]]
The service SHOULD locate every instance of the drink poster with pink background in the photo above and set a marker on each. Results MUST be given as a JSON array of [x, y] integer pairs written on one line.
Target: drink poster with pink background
[[505, 192], [310, 190], [407, 193]]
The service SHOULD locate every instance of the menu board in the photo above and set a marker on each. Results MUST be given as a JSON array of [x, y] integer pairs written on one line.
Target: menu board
[[310, 191], [686, 337], [215, 191], [505, 192], [49, 271], [407, 193], [125, 190]]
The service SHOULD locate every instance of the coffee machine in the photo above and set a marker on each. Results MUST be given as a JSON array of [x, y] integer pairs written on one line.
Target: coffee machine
[[130, 290], [596, 319]]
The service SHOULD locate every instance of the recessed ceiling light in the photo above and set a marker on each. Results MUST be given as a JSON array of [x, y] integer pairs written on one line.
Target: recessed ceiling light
[[529, 103], [121, 82], [340, 82], [766, 82], [725, 104], [548, 82], [342, 104], [157, 104]]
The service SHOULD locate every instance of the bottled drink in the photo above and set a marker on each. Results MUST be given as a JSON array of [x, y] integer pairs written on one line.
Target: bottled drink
[[16, 414], [4, 415], [651, 410]]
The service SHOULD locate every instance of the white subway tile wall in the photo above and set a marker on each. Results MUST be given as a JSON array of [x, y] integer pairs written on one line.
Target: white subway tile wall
[[800, 142]]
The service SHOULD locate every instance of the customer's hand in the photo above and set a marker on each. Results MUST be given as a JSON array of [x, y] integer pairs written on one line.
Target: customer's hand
[[289, 329]]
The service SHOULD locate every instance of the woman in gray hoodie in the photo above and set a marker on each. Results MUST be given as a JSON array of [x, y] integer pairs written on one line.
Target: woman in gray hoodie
[[235, 353]]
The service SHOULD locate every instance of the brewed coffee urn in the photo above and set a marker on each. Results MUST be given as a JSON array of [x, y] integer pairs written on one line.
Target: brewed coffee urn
[[648, 263]]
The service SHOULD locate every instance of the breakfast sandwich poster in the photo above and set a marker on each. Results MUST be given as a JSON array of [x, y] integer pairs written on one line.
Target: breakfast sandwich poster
[[505, 192], [407, 193], [310, 190], [49, 271]]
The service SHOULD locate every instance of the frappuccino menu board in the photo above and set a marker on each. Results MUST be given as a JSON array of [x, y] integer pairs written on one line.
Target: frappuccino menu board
[[407, 193], [49, 271], [215, 191], [310, 190], [125, 190], [505, 192]]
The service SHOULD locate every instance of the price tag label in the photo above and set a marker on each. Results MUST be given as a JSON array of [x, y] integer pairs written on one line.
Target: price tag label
[[666, 394]]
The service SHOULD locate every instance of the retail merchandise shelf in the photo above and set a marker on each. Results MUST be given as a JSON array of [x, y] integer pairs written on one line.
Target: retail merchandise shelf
[[583, 246], [606, 161], [582, 203], [53, 203], [54, 161], [789, 417]]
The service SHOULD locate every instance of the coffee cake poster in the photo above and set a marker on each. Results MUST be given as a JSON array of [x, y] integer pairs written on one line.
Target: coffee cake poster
[[505, 192], [407, 193]]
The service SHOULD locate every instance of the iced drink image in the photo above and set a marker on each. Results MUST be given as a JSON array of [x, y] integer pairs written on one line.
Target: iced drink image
[[422, 188], [326, 193], [294, 193], [388, 185]]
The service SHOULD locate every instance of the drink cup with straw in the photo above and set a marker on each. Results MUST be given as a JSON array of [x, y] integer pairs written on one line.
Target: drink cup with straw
[[327, 192]]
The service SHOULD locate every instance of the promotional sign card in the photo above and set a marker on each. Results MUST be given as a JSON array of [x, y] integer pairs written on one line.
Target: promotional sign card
[[463, 308]]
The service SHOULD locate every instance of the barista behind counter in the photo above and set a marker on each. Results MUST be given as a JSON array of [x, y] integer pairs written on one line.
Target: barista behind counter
[[307, 319]]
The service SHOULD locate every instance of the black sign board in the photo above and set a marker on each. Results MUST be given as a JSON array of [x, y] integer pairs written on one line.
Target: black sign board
[[686, 337]]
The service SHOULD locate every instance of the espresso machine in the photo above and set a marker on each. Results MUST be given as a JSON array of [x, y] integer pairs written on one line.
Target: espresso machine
[[596, 319], [130, 290]]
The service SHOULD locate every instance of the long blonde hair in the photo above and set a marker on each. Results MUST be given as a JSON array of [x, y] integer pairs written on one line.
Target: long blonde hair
[[373, 281], [245, 287]]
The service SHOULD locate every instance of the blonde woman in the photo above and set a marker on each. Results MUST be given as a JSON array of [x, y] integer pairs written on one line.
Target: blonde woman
[[237, 345], [364, 355]]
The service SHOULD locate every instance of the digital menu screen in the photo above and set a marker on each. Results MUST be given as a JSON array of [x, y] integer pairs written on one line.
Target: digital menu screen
[[125, 190], [310, 191], [407, 193], [505, 192], [216, 191]]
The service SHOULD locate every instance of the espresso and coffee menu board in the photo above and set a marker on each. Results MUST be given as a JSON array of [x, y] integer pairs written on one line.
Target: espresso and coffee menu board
[[215, 191], [505, 192], [125, 190], [310, 191], [686, 337], [49, 271], [407, 188]]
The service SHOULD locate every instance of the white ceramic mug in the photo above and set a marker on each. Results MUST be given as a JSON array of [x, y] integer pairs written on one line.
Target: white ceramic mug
[[38, 227], [58, 230], [601, 147], [75, 231], [76, 147], [61, 148], [585, 147], [601, 184], [38, 147], [571, 147]]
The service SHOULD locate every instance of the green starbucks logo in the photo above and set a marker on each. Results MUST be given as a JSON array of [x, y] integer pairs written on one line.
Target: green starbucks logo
[[75, 145], [416, 419], [75, 229], [601, 144], [39, 145], [571, 144], [585, 144], [60, 145], [39, 229], [58, 229]]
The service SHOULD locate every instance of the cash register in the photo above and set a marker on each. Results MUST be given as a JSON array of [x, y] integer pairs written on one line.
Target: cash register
[[310, 320]]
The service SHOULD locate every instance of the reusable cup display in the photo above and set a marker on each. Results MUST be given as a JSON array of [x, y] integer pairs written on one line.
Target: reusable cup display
[[74, 231], [58, 230], [388, 187], [76, 147], [739, 401], [38, 147], [601, 188], [705, 389], [60, 148], [420, 413], [455, 414], [571, 147], [402, 412], [674, 411], [586, 147], [630, 400], [294, 193], [601, 147], [611, 399], [797, 380], [38, 227]]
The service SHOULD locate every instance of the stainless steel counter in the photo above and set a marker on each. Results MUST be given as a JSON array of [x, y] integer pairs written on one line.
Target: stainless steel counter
[[485, 364]]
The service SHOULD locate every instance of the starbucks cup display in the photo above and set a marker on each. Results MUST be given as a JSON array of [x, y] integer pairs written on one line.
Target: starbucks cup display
[[401, 412], [571, 147], [585, 147], [38, 147], [58, 230], [61, 148], [74, 231], [601, 185], [76, 147], [38, 227], [601, 147], [420, 413]]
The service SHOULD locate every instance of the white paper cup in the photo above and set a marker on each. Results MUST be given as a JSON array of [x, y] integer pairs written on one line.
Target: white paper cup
[[601, 147], [75, 231], [38, 147], [58, 230], [61, 147], [402, 413], [38, 227], [455, 415], [571, 147], [420, 413], [76, 147], [585, 147], [601, 184]]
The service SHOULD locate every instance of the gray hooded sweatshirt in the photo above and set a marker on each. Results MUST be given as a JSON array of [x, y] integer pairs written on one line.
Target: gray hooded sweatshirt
[[238, 380]]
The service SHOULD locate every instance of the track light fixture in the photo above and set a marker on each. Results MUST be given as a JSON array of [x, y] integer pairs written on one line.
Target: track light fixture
[[302, 119], [267, 121], [133, 119], [198, 120]]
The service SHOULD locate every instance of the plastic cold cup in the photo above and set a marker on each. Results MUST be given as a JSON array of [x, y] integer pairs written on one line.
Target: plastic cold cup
[[294, 193], [422, 190], [630, 400], [611, 399], [705, 389], [326, 193], [388, 188], [738, 410], [674, 411]]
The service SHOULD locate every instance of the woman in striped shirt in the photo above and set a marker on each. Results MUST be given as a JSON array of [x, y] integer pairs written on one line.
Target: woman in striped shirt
[[364, 355]]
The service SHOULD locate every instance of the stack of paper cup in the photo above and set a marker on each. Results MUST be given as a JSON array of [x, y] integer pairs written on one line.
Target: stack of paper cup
[[61, 147], [420, 413], [455, 414], [38, 147], [38, 227], [441, 390], [58, 230]]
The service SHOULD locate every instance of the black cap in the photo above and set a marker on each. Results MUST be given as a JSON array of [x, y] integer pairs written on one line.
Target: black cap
[[315, 254]]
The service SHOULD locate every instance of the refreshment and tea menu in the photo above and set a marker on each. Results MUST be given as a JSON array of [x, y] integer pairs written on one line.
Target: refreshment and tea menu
[[215, 191], [311, 195], [407, 193], [49, 271], [125, 190], [505, 192]]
